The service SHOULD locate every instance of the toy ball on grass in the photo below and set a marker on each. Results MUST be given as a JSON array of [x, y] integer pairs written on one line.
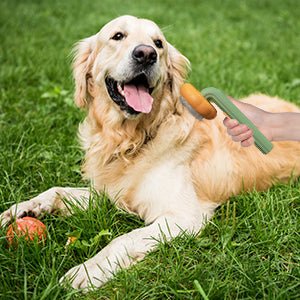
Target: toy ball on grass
[[29, 228]]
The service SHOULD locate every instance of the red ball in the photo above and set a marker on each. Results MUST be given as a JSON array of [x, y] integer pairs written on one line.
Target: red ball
[[27, 227]]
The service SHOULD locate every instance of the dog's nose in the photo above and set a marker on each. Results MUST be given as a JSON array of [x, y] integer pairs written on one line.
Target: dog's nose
[[144, 54]]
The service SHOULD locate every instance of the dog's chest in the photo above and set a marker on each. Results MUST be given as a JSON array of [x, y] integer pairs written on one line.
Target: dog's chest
[[159, 189]]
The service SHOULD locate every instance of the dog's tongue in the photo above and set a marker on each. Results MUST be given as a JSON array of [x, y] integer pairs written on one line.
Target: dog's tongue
[[138, 98]]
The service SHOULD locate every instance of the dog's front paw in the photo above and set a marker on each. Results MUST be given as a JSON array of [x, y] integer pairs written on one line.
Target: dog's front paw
[[85, 276], [37, 206], [27, 208]]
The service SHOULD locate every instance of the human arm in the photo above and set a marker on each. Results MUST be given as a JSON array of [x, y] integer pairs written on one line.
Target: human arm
[[275, 126]]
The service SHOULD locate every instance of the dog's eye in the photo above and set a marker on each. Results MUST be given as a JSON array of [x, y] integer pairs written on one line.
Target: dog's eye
[[158, 43], [118, 36]]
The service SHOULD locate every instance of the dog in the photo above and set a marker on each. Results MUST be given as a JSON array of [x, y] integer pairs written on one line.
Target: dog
[[149, 154]]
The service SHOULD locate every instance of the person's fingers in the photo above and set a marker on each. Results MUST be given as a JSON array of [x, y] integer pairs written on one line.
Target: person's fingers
[[248, 142], [230, 123], [242, 136], [238, 130]]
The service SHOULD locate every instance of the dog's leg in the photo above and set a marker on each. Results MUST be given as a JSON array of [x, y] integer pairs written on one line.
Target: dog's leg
[[48, 201], [127, 249]]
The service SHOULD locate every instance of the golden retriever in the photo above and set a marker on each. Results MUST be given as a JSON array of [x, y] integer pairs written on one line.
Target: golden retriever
[[145, 149]]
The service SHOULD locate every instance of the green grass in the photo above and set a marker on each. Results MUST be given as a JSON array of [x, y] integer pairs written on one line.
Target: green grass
[[250, 250]]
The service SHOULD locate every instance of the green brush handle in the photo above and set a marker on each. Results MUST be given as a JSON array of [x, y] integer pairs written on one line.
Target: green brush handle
[[214, 95]]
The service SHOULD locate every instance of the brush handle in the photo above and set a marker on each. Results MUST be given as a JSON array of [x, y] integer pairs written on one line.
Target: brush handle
[[214, 95]]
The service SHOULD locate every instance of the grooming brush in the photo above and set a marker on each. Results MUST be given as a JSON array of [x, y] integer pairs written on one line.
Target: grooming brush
[[200, 107]]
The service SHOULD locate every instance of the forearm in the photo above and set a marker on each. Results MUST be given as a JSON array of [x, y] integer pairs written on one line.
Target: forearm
[[284, 126]]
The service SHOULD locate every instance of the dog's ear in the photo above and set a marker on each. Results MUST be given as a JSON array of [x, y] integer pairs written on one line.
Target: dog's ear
[[84, 56], [179, 67]]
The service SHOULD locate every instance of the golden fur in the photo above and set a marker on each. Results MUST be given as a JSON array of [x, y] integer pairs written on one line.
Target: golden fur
[[165, 166], [118, 148]]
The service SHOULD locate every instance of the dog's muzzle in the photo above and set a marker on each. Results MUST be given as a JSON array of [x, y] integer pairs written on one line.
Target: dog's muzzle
[[134, 95]]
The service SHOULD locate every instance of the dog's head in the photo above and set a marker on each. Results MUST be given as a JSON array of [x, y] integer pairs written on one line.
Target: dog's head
[[129, 65]]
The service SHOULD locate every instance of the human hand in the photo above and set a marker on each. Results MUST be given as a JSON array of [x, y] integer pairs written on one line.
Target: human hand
[[241, 132]]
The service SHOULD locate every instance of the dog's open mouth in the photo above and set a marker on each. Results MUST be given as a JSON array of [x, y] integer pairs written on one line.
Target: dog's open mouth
[[133, 96]]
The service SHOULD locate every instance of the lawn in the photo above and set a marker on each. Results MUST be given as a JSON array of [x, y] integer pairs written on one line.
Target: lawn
[[249, 250]]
